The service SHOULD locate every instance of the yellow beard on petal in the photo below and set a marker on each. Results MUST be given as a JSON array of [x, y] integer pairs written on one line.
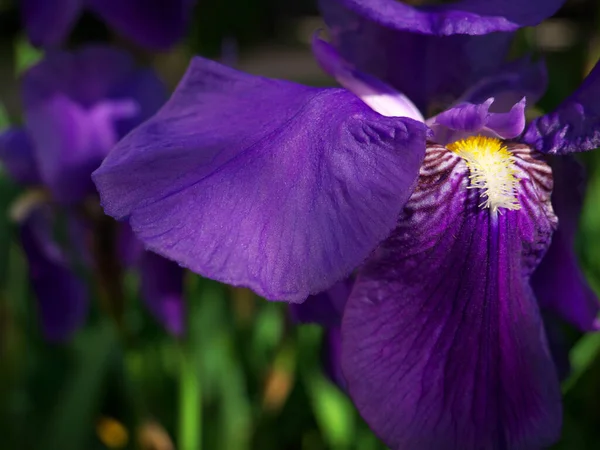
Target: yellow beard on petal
[[491, 169]]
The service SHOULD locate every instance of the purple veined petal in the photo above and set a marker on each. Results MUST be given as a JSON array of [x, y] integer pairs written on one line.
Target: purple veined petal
[[162, 291], [468, 119], [156, 24], [48, 23], [70, 142], [86, 76], [471, 17], [378, 95], [62, 296], [443, 346], [517, 79], [262, 183], [432, 71], [572, 127], [558, 282], [325, 308], [17, 156]]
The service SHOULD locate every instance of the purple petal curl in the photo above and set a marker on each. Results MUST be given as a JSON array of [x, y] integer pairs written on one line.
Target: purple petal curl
[[468, 119], [558, 282], [262, 183], [16, 155], [62, 296], [460, 17], [48, 23], [378, 95], [162, 291], [572, 127], [443, 343], [156, 24], [432, 71]]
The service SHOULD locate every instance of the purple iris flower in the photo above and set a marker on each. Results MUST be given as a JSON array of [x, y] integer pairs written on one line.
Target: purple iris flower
[[76, 107], [156, 24], [288, 189]]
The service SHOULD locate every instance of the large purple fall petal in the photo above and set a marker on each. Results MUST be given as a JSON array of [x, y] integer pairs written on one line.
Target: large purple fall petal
[[443, 343], [157, 24], [262, 183], [459, 17], [49, 22], [62, 296], [162, 291], [558, 282], [574, 126], [432, 71], [16, 155]]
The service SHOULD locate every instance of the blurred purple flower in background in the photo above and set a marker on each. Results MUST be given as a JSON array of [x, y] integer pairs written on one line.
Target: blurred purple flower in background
[[77, 106], [288, 189], [156, 24]]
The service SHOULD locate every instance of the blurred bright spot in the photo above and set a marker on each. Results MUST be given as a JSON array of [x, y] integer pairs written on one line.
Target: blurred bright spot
[[152, 436], [112, 433]]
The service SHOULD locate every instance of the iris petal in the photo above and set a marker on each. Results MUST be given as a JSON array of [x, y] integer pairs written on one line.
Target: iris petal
[[460, 17], [17, 156], [262, 183], [48, 23], [62, 296], [443, 343], [572, 127], [558, 282]]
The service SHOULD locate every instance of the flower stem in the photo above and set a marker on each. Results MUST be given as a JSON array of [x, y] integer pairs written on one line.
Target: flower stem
[[190, 404]]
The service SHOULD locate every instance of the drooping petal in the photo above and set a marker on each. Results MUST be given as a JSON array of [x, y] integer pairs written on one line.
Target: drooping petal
[[378, 95], [162, 291], [472, 17], [262, 183], [325, 308], [572, 127], [156, 24], [17, 156], [443, 343], [48, 23], [71, 142], [558, 282], [467, 119], [62, 296], [86, 76], [432, 71]]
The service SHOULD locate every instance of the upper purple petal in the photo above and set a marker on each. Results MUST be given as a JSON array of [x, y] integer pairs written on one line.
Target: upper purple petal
[[459, 17], [443, 346], [157, 24], [162, 291], [48, 23], [432, 71], [263, 183], [572, 127], [16, 155], [558, 282], [62, 296]]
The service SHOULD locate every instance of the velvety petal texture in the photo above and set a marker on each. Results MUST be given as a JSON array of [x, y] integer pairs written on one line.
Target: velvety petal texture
[[457, 17], [574, 126], [432, 71], [443, 343], [77, 106], [262, 183], [16, 156], [48, 23], [62, 296], [156, 24], [558, 282], [162, 291]]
